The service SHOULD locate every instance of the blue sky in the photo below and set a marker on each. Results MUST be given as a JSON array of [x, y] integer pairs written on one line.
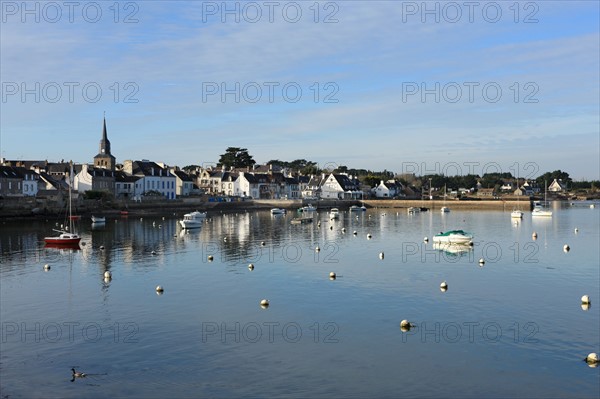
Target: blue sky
[[501, 94]]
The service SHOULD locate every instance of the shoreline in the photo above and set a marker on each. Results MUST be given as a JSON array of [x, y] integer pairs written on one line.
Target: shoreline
[[180, 207]]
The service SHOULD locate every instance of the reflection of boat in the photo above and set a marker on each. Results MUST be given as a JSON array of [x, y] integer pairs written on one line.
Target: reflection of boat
[[98, 219], [334, 213], [301, 220], [454, 237], [192, 220], [277, 211], [66, 237], [414, 209], [455, 249]]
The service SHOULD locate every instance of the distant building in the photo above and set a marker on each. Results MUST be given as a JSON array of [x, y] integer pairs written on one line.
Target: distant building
[[152, 178], [557, 186], [10, 182], [104, 159], [184, 184]]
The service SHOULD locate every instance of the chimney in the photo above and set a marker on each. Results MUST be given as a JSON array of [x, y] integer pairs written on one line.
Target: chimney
[[128, 166]]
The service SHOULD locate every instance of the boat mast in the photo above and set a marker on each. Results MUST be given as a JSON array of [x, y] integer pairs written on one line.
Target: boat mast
[[71, 225]]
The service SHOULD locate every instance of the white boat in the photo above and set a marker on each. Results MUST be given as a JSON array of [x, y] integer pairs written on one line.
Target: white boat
[[414, 209], [66, 237], [516, 214], [192, 220], [445, 209], [277, 211], [98, 219], [538, 209], [334, 213], [356, 208], [308, 208], [454, 237]]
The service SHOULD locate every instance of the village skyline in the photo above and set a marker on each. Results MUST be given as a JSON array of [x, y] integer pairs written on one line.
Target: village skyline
[[397, 86]]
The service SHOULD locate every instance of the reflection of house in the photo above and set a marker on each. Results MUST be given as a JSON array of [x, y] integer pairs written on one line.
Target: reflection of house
[[557, 186]]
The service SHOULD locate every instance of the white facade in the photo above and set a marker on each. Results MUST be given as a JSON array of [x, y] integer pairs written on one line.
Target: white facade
[[331, 188], [165, 185], [382, 191], [30, 184], [83, 180]]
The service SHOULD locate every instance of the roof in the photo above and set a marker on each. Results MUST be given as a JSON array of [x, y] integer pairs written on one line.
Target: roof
[[182, 175], [149, 168], [345, 182], [8, 172], [123, 177]]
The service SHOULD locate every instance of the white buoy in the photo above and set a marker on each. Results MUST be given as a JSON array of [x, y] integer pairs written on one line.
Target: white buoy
[[264, 303], [102, 247], [153, 252], [534, 235], [225, 239], [163, 218], [263, 243], [405, 325], [566, 248], [381, 255], [354, 232], [210, 258], [443, 286], [159, 288], [482, 261], [369, 236], [317, 249], [576, 230], [251, 266], [585, 299], [592, 359], [343, 229], [107, 274], [425, 239], [46, 267], [332, 275]]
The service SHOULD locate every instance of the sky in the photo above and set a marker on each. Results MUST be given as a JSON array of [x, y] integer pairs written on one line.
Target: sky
[[410, 87]]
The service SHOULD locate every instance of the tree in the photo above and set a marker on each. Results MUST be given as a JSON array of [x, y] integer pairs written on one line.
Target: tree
[[549, 177], [236, 157], [190, 168]]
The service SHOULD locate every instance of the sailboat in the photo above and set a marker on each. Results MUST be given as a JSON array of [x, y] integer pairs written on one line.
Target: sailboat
[[444, 208], [68, 237], [517, 213], [538, 209]]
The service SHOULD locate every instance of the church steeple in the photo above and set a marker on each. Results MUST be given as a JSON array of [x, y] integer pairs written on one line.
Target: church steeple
[[104, 159], [104, 143]]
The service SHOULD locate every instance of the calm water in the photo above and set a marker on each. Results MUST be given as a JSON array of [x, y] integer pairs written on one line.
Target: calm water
[[513, 327]]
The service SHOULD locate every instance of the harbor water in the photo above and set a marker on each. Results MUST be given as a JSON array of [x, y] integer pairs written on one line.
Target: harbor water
[[513, 326]]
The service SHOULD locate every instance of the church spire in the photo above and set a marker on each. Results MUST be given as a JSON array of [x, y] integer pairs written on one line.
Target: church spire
[[104, 143]]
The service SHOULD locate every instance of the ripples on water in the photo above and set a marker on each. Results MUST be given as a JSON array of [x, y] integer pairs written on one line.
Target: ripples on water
[[513, 327]]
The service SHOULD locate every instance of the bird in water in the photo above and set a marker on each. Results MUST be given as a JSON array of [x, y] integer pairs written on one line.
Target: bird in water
[[78, 374]]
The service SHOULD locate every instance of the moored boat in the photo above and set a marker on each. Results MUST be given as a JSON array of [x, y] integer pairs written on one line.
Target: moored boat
[[308, 208], [67, 237], [453, 237], [98, 219], [516, 214], [277, 211], [414, 209], [192, 220]]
